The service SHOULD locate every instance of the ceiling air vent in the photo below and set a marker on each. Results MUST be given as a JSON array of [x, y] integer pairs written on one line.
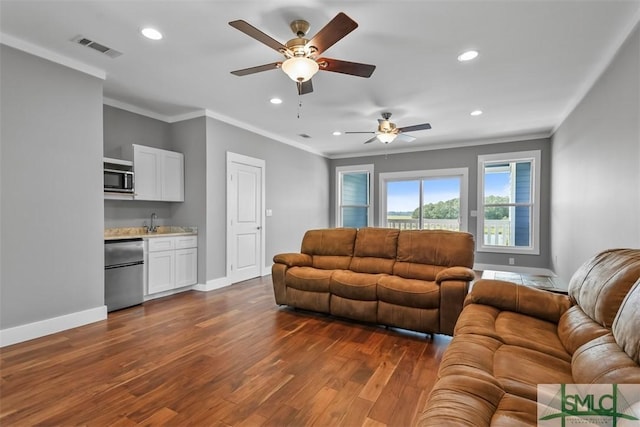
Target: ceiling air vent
[[304, 135], [81, 40]]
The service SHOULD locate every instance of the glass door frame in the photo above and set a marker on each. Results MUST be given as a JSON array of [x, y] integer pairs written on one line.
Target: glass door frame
[[462, 173]]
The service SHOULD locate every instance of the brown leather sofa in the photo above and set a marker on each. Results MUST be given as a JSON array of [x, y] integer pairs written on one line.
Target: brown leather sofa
[[510, 338], [411, 279]]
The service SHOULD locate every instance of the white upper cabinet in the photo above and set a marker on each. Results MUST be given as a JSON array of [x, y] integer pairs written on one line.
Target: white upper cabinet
[[173, 177], [159, 174]]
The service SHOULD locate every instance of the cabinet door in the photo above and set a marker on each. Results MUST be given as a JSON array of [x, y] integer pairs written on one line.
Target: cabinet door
[[161, 271], [146, 165], [186, 267], [173, 176]]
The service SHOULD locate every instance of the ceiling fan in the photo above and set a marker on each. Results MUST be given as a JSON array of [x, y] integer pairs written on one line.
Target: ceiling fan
[[388, 132], [301, 54]]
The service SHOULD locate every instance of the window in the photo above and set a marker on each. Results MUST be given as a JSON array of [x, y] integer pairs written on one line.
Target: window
[[354, 194], [509, 202], [424, 200]]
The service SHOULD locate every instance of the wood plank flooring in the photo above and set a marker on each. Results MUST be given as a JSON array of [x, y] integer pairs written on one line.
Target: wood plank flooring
[[229, 357]]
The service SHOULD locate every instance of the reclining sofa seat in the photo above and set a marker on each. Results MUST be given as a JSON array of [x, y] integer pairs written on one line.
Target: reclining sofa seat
[[510, 338], [413, 279]]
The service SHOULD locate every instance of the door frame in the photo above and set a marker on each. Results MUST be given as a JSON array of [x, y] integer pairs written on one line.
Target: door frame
[[255, 162]]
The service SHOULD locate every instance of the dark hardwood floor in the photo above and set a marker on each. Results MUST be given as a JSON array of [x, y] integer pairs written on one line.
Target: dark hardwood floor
[[229, 357]]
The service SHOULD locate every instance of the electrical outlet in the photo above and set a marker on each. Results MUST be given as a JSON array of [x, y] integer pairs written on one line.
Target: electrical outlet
[[512, 261]]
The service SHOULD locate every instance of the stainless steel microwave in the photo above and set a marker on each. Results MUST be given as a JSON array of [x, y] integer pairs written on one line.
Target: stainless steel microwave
[[118, 176]]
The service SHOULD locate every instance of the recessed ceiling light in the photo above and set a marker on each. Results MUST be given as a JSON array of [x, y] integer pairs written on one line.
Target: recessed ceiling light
[[275, 101], [151, 33], [476, 112], [468, 55], [337, 133]]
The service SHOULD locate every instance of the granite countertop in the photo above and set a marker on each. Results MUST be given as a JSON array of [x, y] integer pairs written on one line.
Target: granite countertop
[[138, 232]]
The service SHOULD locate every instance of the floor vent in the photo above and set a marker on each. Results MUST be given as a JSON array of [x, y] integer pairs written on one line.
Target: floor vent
[[83, 41]]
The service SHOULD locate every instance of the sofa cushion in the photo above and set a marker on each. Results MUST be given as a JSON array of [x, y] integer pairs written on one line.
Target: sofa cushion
[[519, 299], [436, 247], [507, 327], [575, 328], [517, 369], [308, 279], [422, 254], [600, 285], [356, 286], [329, 248], [375, 250], [626, 326], [408, 292], [602, 361], [462, 400], [376, 242]]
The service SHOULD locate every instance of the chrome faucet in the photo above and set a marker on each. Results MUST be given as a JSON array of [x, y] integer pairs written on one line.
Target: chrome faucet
[[153, 228]]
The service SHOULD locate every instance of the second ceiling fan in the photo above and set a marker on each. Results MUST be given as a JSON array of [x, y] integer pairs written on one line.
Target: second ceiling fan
[[388, 132], [301, 54]]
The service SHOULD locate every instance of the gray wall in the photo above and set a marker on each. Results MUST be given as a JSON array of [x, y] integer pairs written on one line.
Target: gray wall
[[596, 167], [121, 130], [464, 157], [51, 216], [189, 138], [296, 191]]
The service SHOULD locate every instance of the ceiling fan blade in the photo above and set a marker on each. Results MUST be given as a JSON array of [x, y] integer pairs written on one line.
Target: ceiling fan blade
[[336, 29], [255, 33], [375, 138], [404, 137], [259, 68], [358, 132], [304, 87], [413, 128], [346, 67]]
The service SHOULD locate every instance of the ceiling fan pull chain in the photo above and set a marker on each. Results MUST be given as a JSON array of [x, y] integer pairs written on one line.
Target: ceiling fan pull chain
[[299, 105]]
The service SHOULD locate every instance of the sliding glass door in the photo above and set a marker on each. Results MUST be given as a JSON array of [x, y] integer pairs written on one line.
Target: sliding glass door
[[424, 200]]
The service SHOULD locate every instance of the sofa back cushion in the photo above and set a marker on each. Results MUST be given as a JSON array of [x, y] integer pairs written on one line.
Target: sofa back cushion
[[600, 284], [422, 254], [375, 250], [330, 248], [626, 326]]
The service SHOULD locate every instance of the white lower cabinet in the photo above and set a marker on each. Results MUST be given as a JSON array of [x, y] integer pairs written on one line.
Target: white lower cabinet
[[172, 263]]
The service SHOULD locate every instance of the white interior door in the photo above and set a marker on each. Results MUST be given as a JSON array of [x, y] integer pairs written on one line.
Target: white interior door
[[245, 217]]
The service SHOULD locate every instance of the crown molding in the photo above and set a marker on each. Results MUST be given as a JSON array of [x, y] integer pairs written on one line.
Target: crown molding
[[134, 109], [448, 145]]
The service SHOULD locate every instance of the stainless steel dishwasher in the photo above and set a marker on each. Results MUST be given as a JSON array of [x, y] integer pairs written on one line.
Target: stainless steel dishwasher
[[123, 273]]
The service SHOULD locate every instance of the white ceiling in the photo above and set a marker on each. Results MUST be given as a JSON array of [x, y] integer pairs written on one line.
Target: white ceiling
[[537, 59]]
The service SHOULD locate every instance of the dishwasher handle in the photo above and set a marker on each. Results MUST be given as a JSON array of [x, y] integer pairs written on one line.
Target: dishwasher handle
[[129, 264]]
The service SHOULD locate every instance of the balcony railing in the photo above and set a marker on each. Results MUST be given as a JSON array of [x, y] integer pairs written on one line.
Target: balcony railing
[[429, 224], [496, 232]]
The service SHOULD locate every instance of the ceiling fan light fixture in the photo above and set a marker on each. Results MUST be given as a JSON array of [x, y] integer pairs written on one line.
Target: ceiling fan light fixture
[[300, 68], [386, 137]]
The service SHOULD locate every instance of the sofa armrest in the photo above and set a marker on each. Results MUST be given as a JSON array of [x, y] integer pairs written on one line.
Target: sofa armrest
[[293, 260], [522, 299], [455, 273]]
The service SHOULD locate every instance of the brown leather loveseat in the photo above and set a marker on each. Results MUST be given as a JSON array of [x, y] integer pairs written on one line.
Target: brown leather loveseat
[[411, 279], [510, 338]]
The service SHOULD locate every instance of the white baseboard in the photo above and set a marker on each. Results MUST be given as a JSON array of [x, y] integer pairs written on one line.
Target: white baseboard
[[41, 328], [213, 284], [515, 269], [267, 270]]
